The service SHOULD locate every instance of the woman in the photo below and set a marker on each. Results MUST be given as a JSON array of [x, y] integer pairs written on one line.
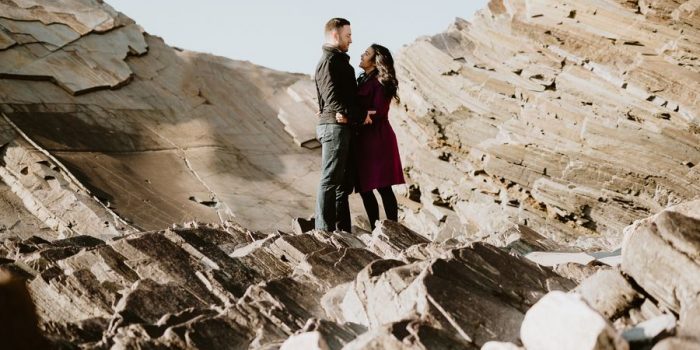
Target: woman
[[378, 162]]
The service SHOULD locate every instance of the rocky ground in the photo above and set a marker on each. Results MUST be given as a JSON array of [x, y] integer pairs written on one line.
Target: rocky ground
[[146, 191], [225, 287]]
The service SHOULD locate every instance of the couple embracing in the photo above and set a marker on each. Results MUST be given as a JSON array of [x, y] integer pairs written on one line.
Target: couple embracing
[[359, 149]]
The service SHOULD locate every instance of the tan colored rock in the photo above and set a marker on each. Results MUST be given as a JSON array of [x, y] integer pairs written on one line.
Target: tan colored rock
[[677, 343], [494, 345], [565, 321], [650, 330], [6, 41], [309, 340], [457, 293], [299, 114], [66, 51], [193, 137], [608, 292], [390, 238], [575, 271], [53, 195], [81, 16], [408, 334], [662, 254], [690, 319], [536, 106]]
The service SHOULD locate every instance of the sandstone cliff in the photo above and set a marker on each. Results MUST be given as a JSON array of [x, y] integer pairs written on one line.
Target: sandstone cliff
[[158, 135], [573, 118], [147, 191]]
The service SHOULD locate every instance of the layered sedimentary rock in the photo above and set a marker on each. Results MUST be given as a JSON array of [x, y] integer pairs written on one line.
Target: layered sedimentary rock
[[537, 129], [212, 286], [573, 118], [662, 254], [158, 135]]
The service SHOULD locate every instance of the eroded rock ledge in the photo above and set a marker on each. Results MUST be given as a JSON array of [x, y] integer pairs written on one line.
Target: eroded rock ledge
[[573, 118], [79, 46], [198, 286], [215, 286], [158, 135]]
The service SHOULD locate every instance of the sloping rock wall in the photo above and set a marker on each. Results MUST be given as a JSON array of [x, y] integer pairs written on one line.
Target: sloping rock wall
[[158, 135], [573, 118]]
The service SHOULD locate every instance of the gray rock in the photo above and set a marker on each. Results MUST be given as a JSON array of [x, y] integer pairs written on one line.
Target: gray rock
[[608, 292]]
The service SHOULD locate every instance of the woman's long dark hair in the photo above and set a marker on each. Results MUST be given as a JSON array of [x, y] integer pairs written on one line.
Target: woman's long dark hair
[[385, 71]]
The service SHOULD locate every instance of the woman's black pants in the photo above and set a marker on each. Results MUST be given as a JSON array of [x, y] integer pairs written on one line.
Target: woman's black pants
[[372, 207]]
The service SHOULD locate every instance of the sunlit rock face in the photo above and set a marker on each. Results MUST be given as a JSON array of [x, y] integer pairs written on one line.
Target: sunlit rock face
[[573, 118], [158, 135], [142, 186]]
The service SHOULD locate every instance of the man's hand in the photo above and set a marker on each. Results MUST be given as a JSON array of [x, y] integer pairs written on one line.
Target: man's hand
[[368, 118], [318, 114], [341, 118]]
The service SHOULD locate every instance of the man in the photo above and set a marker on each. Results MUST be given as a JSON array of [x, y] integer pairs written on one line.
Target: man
[[336, 88]]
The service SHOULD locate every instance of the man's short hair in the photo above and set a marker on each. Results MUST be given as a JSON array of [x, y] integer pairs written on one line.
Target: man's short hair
[[335, 24]]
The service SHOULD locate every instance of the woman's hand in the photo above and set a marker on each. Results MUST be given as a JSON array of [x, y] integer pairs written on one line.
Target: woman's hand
[[341, 118], [368, 118]]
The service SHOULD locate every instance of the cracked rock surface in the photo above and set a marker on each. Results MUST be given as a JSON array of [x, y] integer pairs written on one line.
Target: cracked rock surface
[[573, 118], [146, 191], [203, 285], [158, 135]]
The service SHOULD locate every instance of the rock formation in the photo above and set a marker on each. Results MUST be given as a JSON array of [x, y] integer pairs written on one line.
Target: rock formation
[[158, 135], [147, 191], [573, 118]]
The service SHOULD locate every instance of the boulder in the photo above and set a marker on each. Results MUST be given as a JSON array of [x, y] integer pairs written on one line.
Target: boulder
[[564, 321], [462, 293], [608, 292], [662, 254]]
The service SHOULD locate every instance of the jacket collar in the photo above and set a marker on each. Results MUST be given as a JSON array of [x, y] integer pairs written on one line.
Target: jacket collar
[[364, 77], [333, 50]]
